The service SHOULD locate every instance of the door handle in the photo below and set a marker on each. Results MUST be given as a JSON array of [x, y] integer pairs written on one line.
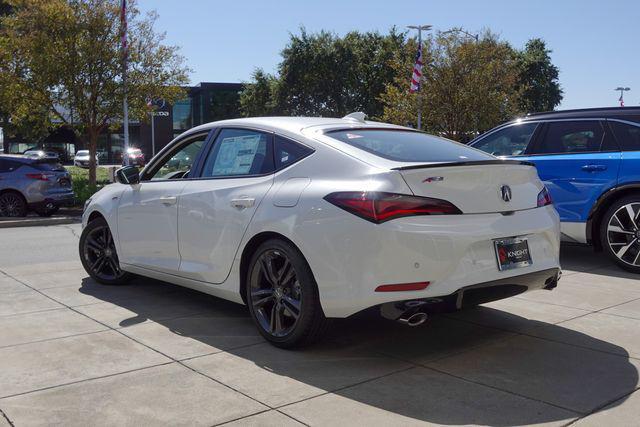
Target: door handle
[[594, 168], [243, 203], [168, 200]]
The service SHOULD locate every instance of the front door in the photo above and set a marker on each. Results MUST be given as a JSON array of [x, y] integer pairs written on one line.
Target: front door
[[148, 211], [215, 210]]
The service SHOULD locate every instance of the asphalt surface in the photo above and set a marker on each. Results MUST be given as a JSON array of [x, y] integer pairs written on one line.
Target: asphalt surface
[[76, 353]]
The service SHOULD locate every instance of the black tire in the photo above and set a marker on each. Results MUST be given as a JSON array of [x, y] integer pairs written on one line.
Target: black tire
[[12, 204], [620, 233], [98, 254], [272, 304]]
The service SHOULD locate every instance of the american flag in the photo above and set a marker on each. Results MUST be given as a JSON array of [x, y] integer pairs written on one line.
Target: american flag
[[123, 28], [417, 71]]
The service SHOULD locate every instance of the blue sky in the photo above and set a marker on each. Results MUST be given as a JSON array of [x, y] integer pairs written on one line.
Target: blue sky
[[596, 44]]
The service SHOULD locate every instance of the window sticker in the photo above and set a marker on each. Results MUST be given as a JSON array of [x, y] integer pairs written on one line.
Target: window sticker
[[236, 155]]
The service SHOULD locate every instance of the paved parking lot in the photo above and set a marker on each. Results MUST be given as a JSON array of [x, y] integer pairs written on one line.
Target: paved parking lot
[[76, 353]]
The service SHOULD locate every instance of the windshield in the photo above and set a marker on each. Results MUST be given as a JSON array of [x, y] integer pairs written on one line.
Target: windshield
[[82, 153], [408, 146]]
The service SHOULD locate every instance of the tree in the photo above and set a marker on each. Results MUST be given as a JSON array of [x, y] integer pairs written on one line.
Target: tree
[[538, 78], [323, 74], [468, 86], [61, 64], [259, 97]]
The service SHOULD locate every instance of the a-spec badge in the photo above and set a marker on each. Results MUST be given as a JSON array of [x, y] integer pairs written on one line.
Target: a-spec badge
[[433, 179]]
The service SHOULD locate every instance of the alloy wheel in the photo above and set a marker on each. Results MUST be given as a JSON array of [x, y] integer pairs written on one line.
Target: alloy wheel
[[276, 294], [11, 205], [100, 253], [623, 233]]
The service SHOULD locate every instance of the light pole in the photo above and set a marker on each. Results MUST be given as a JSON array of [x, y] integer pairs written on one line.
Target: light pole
[[476, 37], [420, 28], [622, 91]]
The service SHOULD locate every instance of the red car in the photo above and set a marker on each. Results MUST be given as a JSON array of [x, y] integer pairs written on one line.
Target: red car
[[136, 157]]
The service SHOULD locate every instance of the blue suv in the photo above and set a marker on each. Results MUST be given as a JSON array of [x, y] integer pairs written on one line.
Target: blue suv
[[590, 162]]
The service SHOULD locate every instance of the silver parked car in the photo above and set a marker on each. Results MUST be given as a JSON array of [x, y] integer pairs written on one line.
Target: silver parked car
[[33, 184], [82, 159], [40, 154]]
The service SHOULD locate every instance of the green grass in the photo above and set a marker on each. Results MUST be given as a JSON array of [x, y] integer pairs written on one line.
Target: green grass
[[80, 182]]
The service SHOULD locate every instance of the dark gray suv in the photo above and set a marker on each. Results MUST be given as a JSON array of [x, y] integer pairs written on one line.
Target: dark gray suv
[[33, 184]]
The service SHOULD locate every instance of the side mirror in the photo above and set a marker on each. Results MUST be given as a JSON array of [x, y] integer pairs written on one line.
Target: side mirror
[[128, 175]]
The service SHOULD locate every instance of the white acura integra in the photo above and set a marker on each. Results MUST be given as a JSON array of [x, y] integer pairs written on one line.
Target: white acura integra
[[304, 219]]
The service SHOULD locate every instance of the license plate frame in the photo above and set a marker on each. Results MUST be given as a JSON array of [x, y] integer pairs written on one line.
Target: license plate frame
[[515, 253]]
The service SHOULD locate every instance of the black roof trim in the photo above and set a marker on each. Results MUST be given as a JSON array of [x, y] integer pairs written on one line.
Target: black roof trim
[[631, 109], [471, 163]]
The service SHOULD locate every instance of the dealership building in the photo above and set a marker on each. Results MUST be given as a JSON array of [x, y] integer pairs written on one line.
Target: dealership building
[[206, 102]]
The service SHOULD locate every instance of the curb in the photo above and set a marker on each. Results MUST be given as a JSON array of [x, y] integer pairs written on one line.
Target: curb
[[39, 222]]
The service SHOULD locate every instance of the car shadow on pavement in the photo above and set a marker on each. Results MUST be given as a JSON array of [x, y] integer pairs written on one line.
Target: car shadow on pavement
[[448, 371]]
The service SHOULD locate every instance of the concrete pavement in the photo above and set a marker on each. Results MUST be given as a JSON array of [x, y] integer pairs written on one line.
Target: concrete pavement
[[73, 352]]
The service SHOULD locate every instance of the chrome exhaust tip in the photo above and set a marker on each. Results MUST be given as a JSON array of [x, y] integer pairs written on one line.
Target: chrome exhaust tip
[[416, 319]]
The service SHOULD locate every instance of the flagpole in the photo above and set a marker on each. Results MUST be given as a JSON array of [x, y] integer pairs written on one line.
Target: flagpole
[[420, 28], [125, 106], [419, 91]]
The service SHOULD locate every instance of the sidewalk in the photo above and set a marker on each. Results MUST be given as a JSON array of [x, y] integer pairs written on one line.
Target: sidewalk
[[63, 216], [150, 353]]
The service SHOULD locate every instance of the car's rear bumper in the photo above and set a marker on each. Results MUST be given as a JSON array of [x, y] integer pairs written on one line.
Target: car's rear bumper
[[352, 257], [481, 293]]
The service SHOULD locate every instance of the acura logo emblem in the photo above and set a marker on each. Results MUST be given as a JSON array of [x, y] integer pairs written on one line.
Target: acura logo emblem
[[505, 192]]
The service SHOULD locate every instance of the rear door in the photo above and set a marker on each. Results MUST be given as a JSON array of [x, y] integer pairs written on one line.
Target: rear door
[[627, 135], [215, 210], [8, 175], [577, 160]]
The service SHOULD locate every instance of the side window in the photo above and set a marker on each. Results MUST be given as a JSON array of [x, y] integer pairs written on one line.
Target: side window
[[628, 136], [239, 152], [7, 166], [288, 152], [571, 137], [510, 141], [178, 163]]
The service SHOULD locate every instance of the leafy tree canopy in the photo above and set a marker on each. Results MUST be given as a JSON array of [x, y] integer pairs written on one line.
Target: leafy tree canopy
[[538, 78], [322, 74], [469, 85], [61, 64]]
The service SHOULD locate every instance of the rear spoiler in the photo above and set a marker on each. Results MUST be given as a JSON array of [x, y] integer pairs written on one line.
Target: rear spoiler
[[470, 163]]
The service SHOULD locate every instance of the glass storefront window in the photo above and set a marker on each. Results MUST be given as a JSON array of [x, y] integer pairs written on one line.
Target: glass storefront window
[[182, 115]]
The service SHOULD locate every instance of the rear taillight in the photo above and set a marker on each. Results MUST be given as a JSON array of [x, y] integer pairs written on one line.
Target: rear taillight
[[379, 207], [40, 176], [544, 198]]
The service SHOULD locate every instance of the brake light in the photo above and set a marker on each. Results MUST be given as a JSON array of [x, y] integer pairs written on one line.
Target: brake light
[[379, 207], [40, 176], [544, 198]]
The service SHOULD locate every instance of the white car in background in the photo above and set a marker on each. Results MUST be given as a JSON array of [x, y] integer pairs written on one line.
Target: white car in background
[[305, 219], [82, 159]]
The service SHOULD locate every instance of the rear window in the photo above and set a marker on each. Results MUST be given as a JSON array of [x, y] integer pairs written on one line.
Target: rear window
[[408, 146]]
